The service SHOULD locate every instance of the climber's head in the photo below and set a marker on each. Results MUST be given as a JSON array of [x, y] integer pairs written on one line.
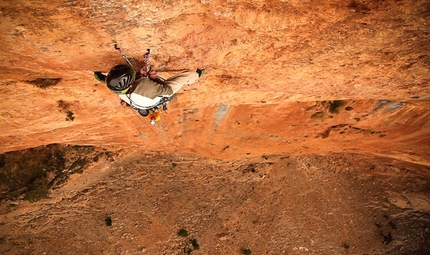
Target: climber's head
[[120, 78]]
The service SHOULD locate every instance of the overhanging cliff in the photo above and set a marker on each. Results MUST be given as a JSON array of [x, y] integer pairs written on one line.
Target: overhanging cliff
[[275, 70]]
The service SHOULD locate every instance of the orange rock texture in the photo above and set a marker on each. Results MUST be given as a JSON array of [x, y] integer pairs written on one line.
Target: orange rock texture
[[281, 76], [308, 134]]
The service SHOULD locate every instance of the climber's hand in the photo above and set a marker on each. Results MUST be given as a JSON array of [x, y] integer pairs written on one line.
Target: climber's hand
[[142, 71], [153, 74]]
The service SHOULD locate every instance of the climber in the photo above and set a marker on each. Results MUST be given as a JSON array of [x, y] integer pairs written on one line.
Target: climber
[[122, 79]]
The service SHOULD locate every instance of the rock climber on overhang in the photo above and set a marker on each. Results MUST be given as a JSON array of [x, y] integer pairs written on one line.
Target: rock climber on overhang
[[121, 79], [145, 90]]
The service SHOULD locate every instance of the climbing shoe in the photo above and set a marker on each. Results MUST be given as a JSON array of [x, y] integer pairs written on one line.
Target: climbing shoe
[[99, 76], [200, 72]]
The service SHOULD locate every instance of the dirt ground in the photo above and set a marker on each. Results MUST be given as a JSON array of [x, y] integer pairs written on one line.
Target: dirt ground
[[162, 203]]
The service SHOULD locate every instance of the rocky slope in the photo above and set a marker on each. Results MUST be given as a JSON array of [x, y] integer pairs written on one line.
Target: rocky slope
[[182, 204]]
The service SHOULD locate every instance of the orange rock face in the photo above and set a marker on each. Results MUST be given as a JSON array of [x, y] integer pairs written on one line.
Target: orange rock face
[[281, 76], [308, 134]]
